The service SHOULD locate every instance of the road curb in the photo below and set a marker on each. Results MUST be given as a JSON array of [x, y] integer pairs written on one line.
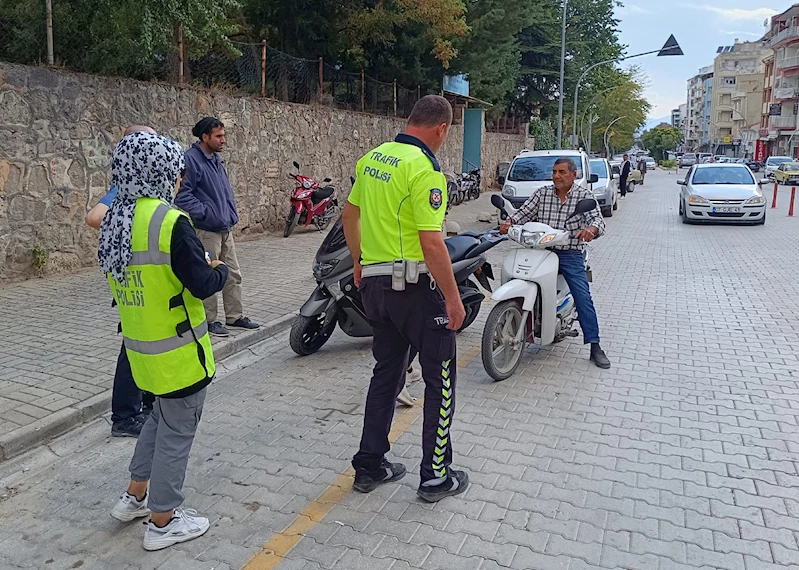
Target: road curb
[[41, 431]]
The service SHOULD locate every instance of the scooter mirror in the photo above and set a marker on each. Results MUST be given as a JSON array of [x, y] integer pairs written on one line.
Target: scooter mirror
[[497, 201], [296, 165], [584, 205]]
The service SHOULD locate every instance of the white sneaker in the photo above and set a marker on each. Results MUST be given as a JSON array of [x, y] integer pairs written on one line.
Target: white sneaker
[[128, 508], [185, 525], [413, 376], [405, 397]]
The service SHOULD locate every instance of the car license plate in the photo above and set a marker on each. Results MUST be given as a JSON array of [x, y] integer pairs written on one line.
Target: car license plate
[[726, 209]]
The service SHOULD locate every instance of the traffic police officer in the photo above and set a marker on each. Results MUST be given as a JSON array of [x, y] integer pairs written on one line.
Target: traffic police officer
[[392, 223]]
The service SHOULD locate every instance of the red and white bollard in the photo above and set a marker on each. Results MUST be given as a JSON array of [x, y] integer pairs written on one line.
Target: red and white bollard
[[774, 200], [793, 196]]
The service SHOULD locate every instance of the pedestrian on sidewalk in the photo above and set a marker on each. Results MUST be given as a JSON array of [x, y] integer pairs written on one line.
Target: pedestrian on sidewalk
[[158, 275], [642, 169], [625, 173], [206, 195], [392, 222], [129, 405]]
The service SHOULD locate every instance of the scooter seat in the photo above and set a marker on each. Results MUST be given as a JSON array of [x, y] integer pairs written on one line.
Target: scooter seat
[[459, 245], [322, 193]]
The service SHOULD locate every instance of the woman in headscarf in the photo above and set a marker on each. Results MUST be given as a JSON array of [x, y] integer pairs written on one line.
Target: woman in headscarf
[[159, 275]]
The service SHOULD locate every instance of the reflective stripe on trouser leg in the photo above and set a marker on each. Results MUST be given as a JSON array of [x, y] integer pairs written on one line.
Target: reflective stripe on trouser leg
[[444, 421]]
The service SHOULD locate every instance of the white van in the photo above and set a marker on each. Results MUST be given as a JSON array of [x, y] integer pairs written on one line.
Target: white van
[[532, 170]]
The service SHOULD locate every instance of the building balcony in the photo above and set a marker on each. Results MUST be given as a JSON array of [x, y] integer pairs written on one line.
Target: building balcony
[[786, 92], [786, 34], [792, 61], [783, 122], [739, 95]]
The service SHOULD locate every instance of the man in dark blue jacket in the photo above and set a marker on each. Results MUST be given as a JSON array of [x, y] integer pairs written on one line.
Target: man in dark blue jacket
[[207, 197]]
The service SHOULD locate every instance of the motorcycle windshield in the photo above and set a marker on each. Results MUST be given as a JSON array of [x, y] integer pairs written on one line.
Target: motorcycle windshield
[[334, 241]]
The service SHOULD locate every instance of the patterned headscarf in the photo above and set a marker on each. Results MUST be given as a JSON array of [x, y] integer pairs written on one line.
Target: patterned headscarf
[[144, 165]]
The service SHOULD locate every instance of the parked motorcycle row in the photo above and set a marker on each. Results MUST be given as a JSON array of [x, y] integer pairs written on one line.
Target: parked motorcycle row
[[533, 304], [463, 187]]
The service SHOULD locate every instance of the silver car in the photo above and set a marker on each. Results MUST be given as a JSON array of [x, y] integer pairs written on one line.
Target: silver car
[[606, 189], [721, 193]]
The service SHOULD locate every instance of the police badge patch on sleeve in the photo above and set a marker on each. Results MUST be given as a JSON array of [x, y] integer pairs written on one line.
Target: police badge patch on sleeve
[[436, 198]]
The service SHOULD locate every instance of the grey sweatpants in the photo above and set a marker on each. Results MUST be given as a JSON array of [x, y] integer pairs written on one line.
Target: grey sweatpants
[[162, 451]]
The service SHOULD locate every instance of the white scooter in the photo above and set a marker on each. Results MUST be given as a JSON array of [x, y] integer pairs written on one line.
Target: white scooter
[[534, 301]]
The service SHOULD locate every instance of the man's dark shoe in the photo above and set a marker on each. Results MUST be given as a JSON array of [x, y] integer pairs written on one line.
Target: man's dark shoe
[[216, 329], [456, 484], [598, 356], [244, 323], [130, 427], [368, 481]]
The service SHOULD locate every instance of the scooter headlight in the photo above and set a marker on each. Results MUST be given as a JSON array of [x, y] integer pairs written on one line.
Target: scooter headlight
[[304, 194], [531, 238], [325, 268], [307, 184]]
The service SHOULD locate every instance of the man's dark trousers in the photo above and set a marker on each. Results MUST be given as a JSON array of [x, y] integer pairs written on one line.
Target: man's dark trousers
[[417, 318], [126, 398], [572, 267]]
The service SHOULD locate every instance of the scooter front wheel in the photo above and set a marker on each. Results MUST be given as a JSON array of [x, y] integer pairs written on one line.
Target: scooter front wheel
[[501, 352], [291, 222], [309, 334]]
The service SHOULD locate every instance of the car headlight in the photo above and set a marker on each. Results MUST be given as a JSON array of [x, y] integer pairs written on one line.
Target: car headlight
[[509, 190], [697, 200], [307, 184], [756, 200]]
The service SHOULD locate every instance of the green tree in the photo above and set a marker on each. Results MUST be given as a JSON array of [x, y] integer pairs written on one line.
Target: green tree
[[660, 140], [624, 99]]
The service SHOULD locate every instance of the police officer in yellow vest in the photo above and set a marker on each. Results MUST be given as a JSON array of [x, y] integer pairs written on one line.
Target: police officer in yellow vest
[[392, 223], [158, 275]]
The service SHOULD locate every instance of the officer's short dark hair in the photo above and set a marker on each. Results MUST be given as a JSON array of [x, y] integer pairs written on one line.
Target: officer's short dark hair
[[568, 162], [431, 111]]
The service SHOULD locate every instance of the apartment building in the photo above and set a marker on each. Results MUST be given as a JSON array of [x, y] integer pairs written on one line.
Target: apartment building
[[778, 128], [675, 117], [697, 120], [736, 98]]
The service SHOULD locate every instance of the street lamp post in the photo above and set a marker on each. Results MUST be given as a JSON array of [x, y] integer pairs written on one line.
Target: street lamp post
[[671, 47], [562, 70], [590, 123], [605, 138]]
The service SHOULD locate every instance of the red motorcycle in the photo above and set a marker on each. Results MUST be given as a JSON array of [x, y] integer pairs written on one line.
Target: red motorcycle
[[310, 203]]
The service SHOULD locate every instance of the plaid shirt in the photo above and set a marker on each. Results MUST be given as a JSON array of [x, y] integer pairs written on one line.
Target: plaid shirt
[[544, 206]]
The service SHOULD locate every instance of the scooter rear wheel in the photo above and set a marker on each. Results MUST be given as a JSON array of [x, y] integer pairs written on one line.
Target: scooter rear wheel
[[500, 351], [309, 334]]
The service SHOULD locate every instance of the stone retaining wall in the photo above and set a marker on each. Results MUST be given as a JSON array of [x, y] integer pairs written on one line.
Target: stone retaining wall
[[58, 128]]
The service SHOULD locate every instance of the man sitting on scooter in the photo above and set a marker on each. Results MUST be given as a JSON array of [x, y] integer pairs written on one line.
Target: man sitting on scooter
[[552, 205]]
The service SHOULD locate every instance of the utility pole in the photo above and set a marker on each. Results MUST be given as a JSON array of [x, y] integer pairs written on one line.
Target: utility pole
[[562, 69]]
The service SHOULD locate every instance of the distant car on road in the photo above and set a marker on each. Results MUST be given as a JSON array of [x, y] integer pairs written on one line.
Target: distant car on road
[[753, 165], [650, 163], [606, 189], [721, 193], [787, 172], [773, 162], [687, 160]]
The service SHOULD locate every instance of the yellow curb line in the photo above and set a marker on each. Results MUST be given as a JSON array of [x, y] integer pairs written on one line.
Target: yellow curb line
[[281, 544]]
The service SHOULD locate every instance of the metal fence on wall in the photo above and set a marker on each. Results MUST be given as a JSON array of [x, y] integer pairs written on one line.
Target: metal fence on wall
[[257, 70]]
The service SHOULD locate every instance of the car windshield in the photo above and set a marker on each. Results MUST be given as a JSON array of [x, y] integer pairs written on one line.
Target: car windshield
[[723, 175], [689, 156], [775, 160], [792, 166], [537, 168], [598, 167]]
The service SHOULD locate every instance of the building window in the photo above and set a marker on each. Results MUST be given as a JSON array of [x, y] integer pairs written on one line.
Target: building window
[[728, 82]]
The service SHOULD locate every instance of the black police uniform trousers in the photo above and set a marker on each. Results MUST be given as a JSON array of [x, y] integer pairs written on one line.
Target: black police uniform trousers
[[414, 318], [127, 400]]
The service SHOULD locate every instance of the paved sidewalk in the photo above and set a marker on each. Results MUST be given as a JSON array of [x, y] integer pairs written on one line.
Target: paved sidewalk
[[58, 357]]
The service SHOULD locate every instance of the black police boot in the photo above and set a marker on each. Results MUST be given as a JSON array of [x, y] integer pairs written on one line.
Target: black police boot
[[598, 356], [367, 481], [456, 483]]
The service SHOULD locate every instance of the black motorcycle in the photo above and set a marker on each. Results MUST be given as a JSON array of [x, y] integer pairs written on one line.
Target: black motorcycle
[[336, 299]]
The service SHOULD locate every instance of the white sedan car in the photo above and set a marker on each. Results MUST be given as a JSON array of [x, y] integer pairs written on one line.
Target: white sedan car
[[721, 193]]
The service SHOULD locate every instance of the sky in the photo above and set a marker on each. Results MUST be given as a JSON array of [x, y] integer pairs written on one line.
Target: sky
[[700, 27]]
